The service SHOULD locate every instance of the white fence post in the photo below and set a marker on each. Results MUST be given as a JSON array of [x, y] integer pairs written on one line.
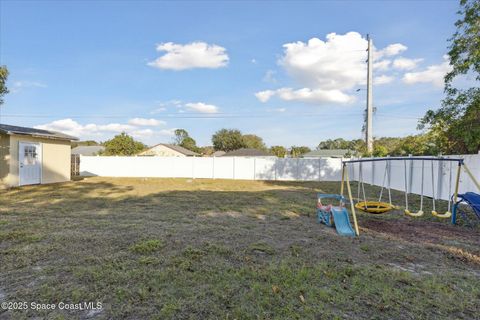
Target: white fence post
[[234, 167], [373, 167], [319, 169], [389, 171], [439, 180], [213, 167], [275, 167], [410, 175], [298, 170], [193, 167]]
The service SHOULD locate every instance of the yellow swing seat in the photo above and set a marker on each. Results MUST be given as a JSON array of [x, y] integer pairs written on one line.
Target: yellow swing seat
[[445, 215], [419, 213], [375, 207]]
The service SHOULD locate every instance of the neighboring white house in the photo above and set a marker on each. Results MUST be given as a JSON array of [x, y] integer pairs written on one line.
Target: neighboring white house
[[247, 152], [168, 150], [218, 153], [328, 153], [88, 150]]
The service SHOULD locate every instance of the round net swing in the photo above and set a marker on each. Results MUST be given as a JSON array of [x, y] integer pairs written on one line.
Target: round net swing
[[375, 207]]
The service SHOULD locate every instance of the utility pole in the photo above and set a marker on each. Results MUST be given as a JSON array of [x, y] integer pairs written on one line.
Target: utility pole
[[368, 127]]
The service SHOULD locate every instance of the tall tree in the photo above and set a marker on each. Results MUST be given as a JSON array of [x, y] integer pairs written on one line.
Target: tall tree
[[122, 145], [338, 143], [298, 151], [279, 151], [183, 139], [206, 151], [190, 144], [3, 82], [228, 140], [456, 124], [179, 136], [254, 141]]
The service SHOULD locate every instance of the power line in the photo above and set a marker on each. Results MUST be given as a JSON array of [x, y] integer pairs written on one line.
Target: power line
[[215, 116], [186, 116]]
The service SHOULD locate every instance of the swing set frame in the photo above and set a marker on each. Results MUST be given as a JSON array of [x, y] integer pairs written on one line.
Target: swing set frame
[[346, 180]]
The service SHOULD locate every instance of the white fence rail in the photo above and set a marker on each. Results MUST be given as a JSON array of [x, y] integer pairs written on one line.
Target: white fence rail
[[242, 168], [289, 169]]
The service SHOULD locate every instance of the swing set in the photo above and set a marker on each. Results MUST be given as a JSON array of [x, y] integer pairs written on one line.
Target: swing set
[[379, 207]]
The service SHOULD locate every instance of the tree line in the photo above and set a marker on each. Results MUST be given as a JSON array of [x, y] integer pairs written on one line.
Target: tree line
[[223, 140], [232, 139]]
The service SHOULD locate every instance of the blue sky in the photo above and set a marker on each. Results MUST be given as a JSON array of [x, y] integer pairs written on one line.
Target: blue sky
[[287, 71]]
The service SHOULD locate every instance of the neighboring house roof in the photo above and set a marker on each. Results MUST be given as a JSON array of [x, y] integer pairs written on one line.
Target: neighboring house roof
[[180, 149], [88, 150], [10, 130], [333, 153], [247, 152], [218, 153]]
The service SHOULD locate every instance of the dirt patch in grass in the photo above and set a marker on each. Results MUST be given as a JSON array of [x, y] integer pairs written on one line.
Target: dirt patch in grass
[[421, 231], [457, 243]]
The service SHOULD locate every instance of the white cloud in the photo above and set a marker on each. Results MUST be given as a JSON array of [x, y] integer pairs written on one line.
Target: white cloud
[[264, 96], [382, 65], [18, 86], [143, 133], [106, 131], [391, 50], [433, 74], [405, 63], [146, 122], [326, 71], [111, 127], [72, 127], [337, 63], [308, 95], [383, 79], [189, 56], [202, 107], [67, 126]]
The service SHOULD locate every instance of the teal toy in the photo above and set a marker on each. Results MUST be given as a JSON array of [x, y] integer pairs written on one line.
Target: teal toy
[[334, 216]]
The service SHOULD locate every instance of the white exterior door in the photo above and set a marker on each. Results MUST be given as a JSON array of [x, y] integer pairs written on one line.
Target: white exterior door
[[30, 163]]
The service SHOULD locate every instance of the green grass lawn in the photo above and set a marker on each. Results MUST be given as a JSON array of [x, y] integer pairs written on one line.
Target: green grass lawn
[[218, 249]]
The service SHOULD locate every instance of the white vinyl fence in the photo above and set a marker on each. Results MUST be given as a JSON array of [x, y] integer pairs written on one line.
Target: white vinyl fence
[[290, 169], [242, 168]]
